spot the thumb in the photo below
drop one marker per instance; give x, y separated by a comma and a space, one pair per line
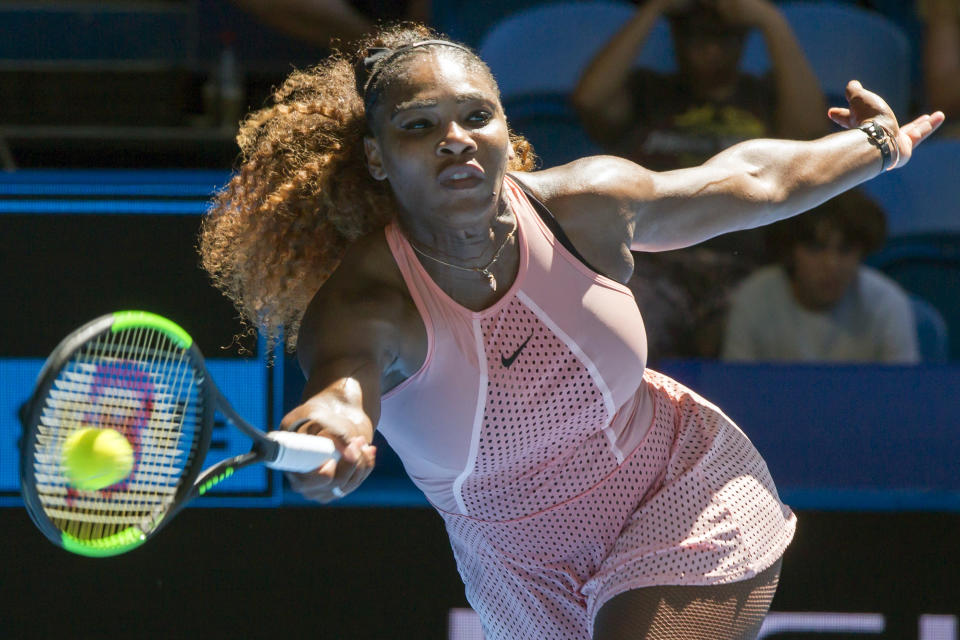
852, 88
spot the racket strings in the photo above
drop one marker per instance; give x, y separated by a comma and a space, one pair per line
144, 386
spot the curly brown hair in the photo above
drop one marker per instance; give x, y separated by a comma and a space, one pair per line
302, 194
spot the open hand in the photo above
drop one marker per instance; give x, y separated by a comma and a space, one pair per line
865, 105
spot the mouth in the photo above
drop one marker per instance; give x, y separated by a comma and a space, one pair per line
462, 176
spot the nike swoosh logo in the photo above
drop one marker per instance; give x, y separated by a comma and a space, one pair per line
506, 362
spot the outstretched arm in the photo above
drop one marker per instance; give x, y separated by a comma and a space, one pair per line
759, 182
606, 203
356, 333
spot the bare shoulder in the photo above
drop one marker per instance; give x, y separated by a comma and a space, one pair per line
362, 312
596, 200
597, 180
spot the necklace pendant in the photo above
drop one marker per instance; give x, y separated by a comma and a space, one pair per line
491, 280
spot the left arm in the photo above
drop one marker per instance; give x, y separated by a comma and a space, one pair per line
751, 184
759, 182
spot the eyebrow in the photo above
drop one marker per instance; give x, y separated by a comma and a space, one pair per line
474, 96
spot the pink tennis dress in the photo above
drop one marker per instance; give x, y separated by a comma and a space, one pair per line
565, 471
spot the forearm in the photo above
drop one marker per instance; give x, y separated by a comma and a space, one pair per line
607, 73
800, 105
752, 184
797, 175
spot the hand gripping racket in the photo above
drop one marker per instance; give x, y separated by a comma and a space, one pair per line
141, 375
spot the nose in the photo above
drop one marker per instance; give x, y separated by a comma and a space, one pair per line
831, 259
456, 141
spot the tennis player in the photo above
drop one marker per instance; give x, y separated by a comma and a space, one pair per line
388, 223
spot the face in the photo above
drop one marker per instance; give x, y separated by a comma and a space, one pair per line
441, 140
709, 60
824, 269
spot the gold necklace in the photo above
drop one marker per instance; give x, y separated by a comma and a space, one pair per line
485, 269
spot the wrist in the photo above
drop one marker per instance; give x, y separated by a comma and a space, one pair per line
885, 141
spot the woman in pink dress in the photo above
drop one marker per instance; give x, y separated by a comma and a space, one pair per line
388, 224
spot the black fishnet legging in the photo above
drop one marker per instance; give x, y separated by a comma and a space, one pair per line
732, 611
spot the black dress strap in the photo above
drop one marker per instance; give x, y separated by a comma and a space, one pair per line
551, 221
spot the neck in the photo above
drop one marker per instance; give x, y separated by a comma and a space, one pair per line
465, 241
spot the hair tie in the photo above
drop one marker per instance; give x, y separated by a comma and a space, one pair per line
374, 54
377, 57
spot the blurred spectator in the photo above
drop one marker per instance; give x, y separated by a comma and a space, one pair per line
820, 303
671, 121
318, 22
942, 57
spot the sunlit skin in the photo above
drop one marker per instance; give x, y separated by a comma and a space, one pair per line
441, 140
824, 270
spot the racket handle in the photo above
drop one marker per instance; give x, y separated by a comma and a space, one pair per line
301, 452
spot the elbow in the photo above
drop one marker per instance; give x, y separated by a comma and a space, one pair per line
754, 178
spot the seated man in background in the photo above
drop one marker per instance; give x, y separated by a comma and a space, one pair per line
679, 120
820, 303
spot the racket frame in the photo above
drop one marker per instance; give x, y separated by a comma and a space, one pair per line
194, 480
280, 450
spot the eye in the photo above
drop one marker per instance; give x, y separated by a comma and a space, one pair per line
479, 117
416, 125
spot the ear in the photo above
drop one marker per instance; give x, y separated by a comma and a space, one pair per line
374, 158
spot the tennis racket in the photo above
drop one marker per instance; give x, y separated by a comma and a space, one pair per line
141, 375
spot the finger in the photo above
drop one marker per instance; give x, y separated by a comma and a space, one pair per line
351, 464
313, 487
363, 468
920, 129
321, 477
840, 115
852, 88
306, 482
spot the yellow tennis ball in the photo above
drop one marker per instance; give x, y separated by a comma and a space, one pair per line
96, 458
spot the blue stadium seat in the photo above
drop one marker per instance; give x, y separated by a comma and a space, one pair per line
552, 126
537, 56
928, 267
843, 43
546, 48
924, 196
468, 21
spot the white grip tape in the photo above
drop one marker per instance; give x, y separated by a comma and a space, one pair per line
301, 452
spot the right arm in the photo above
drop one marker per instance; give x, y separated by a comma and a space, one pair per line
355, 337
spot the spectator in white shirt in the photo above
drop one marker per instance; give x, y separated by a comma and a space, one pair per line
820, 303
